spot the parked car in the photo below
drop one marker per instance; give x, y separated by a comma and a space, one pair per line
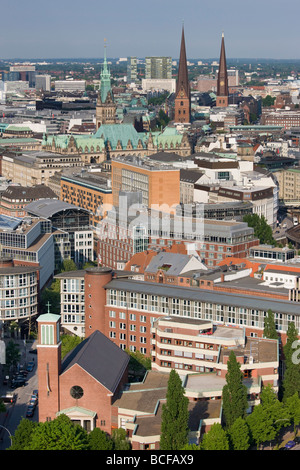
290, 444
33, 400
29, 412
35, 392
18, 383
30, 366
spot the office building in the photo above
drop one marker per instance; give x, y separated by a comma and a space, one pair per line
132, 76
159, 183
158, 67
90, 190
70, 219
19, 294
70, 86
43, 82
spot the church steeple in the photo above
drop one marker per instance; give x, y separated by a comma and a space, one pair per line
222, 84
105, 77
182, 98
105, 108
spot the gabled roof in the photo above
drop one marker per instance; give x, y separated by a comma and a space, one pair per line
172, 263
119, 132
100, 358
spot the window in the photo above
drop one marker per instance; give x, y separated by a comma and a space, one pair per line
76, 392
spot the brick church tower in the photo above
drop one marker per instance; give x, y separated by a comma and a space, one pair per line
49, 365
222, 84
183, 94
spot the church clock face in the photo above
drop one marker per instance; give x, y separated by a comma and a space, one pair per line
222, 83
76, 392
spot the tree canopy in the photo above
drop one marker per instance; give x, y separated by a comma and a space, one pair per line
262, 229
175, 415
234, 393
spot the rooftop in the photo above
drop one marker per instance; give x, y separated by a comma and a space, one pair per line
49, 207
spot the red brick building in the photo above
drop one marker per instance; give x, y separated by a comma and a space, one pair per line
85, 384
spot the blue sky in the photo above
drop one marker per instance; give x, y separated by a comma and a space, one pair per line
77, 28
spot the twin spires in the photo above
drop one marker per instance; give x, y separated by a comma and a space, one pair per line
182, 112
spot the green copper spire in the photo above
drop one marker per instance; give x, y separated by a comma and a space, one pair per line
105, 78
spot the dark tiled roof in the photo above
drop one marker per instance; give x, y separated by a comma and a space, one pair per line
100, 358
34, 192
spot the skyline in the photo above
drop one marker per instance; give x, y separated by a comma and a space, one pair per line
66, 30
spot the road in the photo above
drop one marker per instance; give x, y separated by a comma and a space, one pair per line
17, 410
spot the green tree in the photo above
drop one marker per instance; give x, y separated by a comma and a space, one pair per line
275, 408
59, 434
269, 326
175, 415
68, 343
234, 393
239, 436
120, 440
22, 437
262, 230
268, 101
13, 354
68, 265
50, 298
99, 440
261, 425
293, 409
215, 439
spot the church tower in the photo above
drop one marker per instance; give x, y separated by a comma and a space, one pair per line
105, 107
49, 365
183, 94
222, 84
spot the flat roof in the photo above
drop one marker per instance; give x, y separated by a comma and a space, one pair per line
203, 295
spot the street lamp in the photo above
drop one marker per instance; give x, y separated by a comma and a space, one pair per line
7, 431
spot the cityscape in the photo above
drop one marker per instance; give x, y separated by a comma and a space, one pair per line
149, 236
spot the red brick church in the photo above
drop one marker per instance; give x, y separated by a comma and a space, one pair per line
86, 383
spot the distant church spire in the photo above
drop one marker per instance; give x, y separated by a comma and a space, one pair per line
182, 98
222, 84
105, 108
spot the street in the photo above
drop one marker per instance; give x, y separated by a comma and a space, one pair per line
10, 420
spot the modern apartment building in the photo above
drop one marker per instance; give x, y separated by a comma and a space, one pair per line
19, 292
29, 242
158, 67
289, 184
90, 190
198, 346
